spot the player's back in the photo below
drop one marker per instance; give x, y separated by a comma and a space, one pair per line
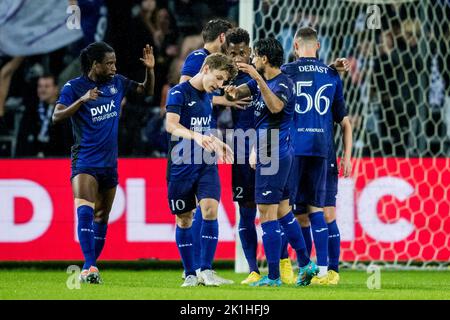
318, 90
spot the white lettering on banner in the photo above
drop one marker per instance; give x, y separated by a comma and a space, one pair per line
116, 213
345, 209
367, 209
138, 230
42, 210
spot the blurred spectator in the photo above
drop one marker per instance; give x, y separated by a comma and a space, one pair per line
37, 135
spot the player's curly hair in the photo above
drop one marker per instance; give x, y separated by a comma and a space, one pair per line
215, 28
237, 35
221, 62
93, 52
272, 49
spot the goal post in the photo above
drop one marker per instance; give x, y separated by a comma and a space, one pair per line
394, 209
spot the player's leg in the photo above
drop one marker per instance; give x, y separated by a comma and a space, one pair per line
270, 191
243, 183
272, 244
181, 202
249, 239
107, 186
309, 270
84, 188
334, 245
288, 230
334, 239
196, 228
209, 232
103, 205
208, 194
183, 238
315, 178
294, 235
305, 225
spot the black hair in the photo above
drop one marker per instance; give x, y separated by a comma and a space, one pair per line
214, 28
237, 35
49, 76
93, 52
272, 49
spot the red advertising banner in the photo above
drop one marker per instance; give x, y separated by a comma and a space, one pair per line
392, 209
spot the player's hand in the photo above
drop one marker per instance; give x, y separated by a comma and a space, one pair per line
346, 167
91, 95
248, 68
223, 151
342, 65
239, 104
231, 92
205, 142
148, 58
252, 159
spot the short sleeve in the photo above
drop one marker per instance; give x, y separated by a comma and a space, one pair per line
193, 63
175, 101
67, 95
127, 84
283, 90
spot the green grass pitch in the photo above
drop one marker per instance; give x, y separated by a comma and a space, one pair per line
162, 285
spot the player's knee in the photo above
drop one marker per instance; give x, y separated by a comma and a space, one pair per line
329, 214
303, 220
184, 220
209, 212
101, 216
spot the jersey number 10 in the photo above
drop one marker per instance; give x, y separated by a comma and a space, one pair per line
309, 99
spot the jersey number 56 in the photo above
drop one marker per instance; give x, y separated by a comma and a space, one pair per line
309, 99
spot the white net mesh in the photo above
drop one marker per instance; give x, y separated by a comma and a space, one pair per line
395, 208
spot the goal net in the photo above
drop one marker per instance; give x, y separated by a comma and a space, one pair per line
395, 208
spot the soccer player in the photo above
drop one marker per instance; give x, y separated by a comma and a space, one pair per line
92, 102
214, 37
189, 175
243, 176
329, 210
319, 100
273, 110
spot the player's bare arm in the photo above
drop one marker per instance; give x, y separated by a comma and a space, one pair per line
63, 112
252, 158
273, 103
224, 101
148, 60
347, 139
234, 93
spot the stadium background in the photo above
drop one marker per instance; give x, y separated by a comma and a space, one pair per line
395, 208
